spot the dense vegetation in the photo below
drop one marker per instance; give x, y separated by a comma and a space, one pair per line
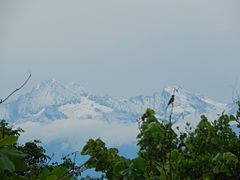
27, 161
209, 151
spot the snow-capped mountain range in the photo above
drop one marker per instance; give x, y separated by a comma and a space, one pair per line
51, 100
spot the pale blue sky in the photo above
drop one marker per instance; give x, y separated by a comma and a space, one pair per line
122, 48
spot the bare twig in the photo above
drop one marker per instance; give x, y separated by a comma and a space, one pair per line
74, 159
171, 102
50, 159
25, 82
76, 168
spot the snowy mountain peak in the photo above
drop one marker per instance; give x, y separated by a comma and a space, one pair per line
187, 103
52, 100
46, 95
78, 89
51, 83
170, 89
52, 92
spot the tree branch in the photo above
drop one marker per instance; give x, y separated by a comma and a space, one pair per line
25, 82
171, 102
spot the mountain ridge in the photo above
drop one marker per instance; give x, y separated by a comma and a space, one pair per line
51, 100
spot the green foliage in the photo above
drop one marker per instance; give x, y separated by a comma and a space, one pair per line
156, 141
103, 159
27, 161
11, 159
211, 151
56, 173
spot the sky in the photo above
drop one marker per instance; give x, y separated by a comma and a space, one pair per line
122, 48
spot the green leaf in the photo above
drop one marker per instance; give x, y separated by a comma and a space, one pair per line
6, 163
45, 173
150, 112
87, 148
162, 173
232, 118
59, 171
52, 177
11, 152
140, 164
16, 157
231, 157
8, 141
217, 157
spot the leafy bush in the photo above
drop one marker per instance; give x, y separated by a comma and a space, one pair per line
27, 161
211, 151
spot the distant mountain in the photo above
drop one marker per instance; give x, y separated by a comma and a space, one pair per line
42, 102
51, 100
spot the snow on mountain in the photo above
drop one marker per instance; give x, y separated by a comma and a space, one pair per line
68, 115
45, 98
78, 89
50, 100
87, 109
186, 104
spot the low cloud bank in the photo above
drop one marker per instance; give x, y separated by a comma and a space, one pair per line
73, 133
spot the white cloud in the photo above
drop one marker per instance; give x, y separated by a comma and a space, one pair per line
75, 133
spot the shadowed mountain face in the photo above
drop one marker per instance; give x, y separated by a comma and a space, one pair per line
50, 100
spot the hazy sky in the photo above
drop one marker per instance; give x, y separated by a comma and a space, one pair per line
124, 47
